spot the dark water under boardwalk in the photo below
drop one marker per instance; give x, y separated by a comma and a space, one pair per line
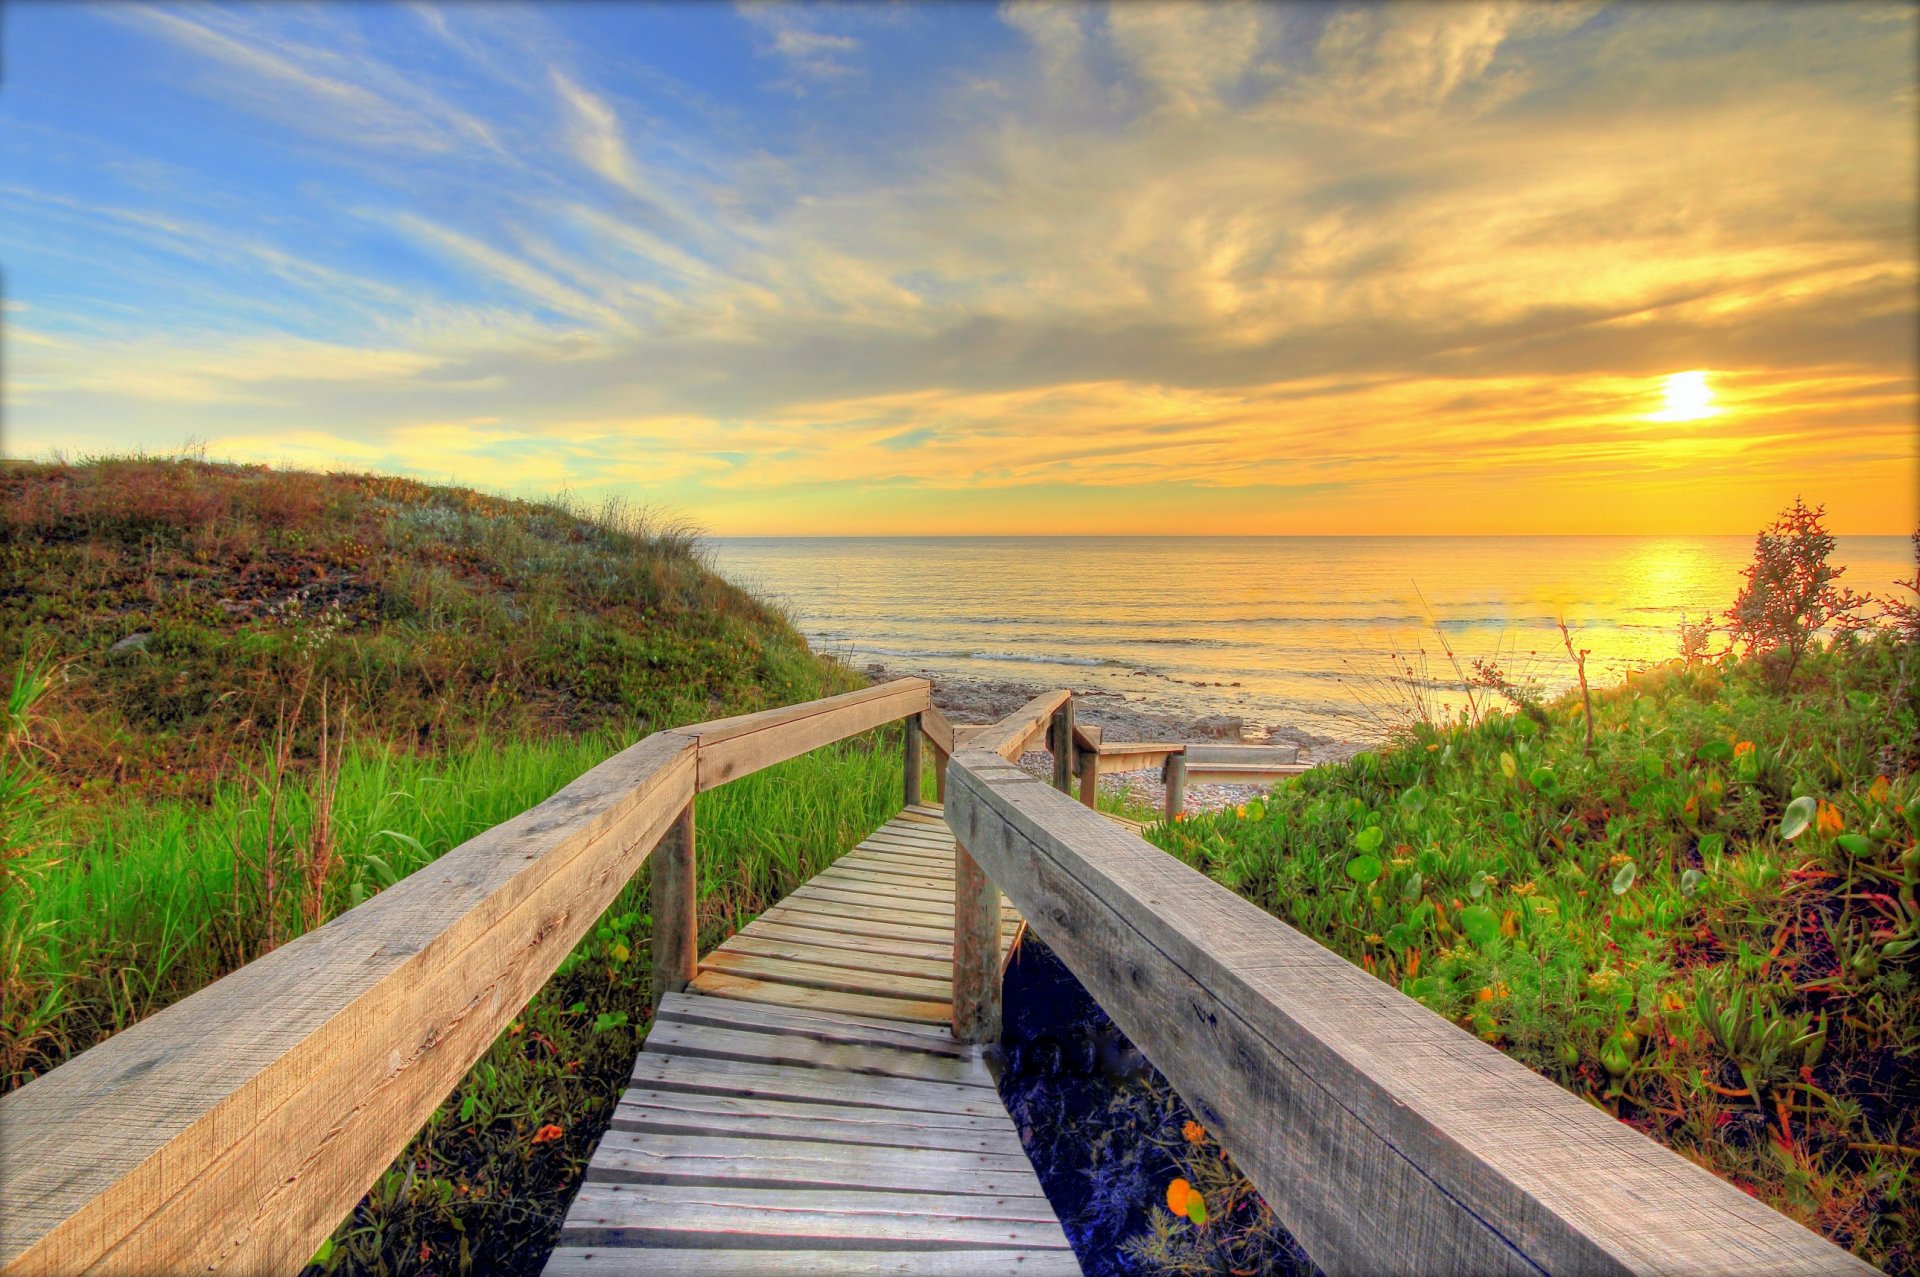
1107, 1134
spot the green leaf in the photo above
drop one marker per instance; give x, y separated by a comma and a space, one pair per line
1799, 815
1413, 800
607, 1020
1411, 890
382, 870
1541, 778
1370, 838
1623, 881
322, 1255
1691, 881
1197, 1209
405, 840
1481, 924
467, 1107
1364, 868
1854, 844
1714, 751
1509, 766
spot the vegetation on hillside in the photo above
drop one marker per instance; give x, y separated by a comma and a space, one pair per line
1693, 905
323, 682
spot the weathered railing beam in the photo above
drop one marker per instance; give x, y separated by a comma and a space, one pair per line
675, 901
1385, 1137
976, 951
1061, 736
911, 761
733, 747
1173, 777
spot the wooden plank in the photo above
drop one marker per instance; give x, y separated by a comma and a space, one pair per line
814, 976
1136, 755
823, 953
919, 926
938, 950
732, 1218
1244, 775
1242, 755
937, 728
910, 762
709, 1160
976, 952
643, 1109
237, 1127
1090, 780
708, 1043
655, 1071
1010, 736
880, 873
908, 905
856, 929
1386, 1138
1060, 740
720, 985
733, 747
1086, 739
676, 908
580, 1261
837, 1027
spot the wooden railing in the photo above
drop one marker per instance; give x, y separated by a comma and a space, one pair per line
235, 1129
1386, 1139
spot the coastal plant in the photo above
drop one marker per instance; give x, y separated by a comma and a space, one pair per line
1706, 924
1791, 592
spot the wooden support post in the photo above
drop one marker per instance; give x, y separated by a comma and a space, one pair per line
913, 760
940, 757
1062, 736
1090, 779
976, 951
676, 909
1173, 774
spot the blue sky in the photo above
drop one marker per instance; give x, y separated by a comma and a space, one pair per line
954, 268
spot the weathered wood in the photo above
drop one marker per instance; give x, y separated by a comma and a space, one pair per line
1386, 1138
1136, 755
1086, 740
1237, 755
1244, 774
234, 1129
825, 953
809, 975
1060, 735
836, 1027
940, 760
936, 949
642, 1110
704, 1041
1173, 776
721, 985
732, 1218
581, 1261
733, 747
937, 728
976, 951
1011, 736
911, 767
1090, 779
675, 893
712, 1159
656, 1071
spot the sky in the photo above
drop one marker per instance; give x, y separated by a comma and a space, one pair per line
947, 269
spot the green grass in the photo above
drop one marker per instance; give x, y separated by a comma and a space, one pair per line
1706, 926
124, 909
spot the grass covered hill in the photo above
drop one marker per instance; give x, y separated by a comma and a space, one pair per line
186, 612
241, 701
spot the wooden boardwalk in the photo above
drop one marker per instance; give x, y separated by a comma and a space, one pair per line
804, 1108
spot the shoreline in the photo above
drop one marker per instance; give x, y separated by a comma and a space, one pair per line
987, 700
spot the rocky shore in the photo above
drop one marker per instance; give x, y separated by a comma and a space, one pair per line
984, 701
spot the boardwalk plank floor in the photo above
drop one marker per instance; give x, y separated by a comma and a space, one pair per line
803, 1107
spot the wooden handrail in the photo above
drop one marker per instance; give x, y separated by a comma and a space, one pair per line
1011, 736
1386, 1138
236, 1128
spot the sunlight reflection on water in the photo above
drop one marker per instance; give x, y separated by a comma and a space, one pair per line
1273, 629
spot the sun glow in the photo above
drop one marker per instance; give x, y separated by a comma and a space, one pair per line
1689, 398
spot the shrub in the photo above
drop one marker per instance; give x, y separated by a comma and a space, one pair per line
1791, 593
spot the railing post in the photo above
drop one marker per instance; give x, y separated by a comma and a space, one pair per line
976, 951
1173, 774
676, 909
1062, 735
1090, 779
913, 760
940, 759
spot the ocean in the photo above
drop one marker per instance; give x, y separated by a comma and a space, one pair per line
1322, 634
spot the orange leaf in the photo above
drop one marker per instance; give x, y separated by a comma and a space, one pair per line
547, 1134
1177, 1194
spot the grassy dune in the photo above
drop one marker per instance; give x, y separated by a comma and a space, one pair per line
342, 677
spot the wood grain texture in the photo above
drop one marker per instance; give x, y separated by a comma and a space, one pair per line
733, 747
1060, 739
1011, 736
910, 768
580, 1261
675, 898
1387, 1139
1173, 776
234, 1129
976, 951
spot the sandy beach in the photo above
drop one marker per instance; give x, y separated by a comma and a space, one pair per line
984, 701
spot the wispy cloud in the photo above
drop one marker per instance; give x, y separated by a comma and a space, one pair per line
1361, 257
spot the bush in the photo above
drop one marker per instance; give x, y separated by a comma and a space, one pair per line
1791, 593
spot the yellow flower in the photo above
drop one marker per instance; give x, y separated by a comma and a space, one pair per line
1828, 820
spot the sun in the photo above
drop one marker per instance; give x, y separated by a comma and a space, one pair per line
1689, 398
